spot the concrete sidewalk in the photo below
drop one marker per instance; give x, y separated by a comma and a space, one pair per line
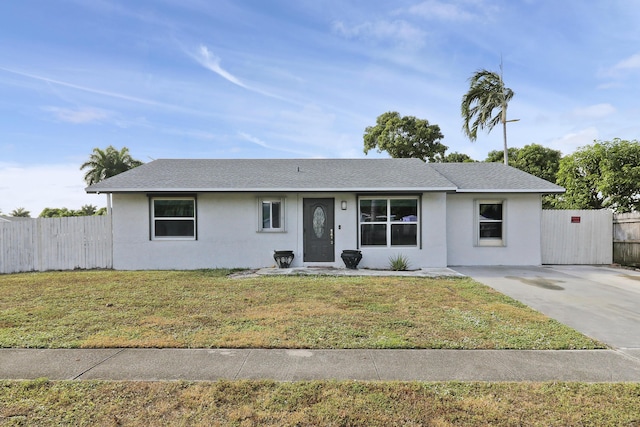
299, 365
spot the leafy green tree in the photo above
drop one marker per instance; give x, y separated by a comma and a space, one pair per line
106, 163
57, 213
405, 137
87, 210
456, 157
20, 213
485, 105
535, 159
497, 156
602, 175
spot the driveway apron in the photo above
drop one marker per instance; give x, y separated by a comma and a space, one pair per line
601, 302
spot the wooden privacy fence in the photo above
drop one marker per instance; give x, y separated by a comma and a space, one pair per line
577, 236
626, 239
56, 244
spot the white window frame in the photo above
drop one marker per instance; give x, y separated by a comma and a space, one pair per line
389, 222
164, 218
490, 241
261, 220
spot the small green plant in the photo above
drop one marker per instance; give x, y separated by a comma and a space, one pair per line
399, 263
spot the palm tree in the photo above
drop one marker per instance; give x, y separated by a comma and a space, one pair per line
106, 163
20, 213
485, 105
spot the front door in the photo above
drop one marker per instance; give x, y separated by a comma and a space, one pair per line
318, 220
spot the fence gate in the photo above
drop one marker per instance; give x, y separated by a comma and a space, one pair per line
577, 236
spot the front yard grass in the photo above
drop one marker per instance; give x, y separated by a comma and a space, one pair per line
325, 403
206, 309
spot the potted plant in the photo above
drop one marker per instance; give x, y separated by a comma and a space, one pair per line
351, 258
283, 258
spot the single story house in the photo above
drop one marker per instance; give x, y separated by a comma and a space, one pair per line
209, 213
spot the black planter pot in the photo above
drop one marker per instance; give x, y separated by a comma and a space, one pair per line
351, 258
283, 258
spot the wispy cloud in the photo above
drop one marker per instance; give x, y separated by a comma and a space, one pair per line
84, 88
399, 31
261, 143
433, 9
616, 72
212, 63
79, 115
593, 112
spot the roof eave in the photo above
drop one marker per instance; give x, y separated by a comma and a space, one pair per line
275, 189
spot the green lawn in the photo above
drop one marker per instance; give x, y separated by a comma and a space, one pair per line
206, 309
317, 403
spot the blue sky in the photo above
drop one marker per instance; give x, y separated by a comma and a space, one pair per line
294, 79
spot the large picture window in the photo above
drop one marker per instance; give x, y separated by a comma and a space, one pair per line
490, 223
173, 218
389, 221
271, 214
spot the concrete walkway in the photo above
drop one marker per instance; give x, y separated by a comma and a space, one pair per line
295, 365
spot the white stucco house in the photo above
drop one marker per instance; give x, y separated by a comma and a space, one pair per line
191, 214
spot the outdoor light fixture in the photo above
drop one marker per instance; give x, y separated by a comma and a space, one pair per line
343, 205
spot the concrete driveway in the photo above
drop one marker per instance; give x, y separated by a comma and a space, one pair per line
600, 302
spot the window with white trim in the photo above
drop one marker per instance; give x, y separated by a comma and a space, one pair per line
271, 214
390, 221
173, 218
490, 223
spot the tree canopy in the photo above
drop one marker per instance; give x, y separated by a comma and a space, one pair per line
106, 163
20, 213
485, 105
405, 137
456, 157
535, 159
85, 210
605, 174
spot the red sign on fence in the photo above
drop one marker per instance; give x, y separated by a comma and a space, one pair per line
575, 220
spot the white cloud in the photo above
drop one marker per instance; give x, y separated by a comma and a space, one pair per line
433, 9
630, 63
78, 116
593, 112
569, 142
36, 187
401, 32
212, 63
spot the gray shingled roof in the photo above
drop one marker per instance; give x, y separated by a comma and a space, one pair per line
182, 175
493, 177
227, 175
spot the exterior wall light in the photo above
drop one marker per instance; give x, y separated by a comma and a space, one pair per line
343, 205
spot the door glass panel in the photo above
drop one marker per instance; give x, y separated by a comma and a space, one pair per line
319, 221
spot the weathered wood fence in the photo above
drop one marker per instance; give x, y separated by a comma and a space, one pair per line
56, 244
577, 236
626, 239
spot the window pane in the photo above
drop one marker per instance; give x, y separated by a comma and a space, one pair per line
173, 208
491, 211
275, 214
266, 215
373, 234
491, 229
174, 228
405, 210
404, 235
373, 210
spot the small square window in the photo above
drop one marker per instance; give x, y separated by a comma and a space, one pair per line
271, 215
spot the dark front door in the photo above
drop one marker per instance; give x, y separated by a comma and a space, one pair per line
318, 230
